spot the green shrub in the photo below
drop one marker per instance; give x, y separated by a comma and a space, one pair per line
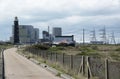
86, 49
94, 47
118, 49
63, 44
56, 48
58, 74
89, 54
115, 56
41, 47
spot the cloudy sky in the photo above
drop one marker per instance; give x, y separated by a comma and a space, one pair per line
71, 15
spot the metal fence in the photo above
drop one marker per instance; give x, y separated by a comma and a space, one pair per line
90, 67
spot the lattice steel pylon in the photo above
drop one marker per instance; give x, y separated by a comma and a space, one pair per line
112, 38
103, 36
93, 35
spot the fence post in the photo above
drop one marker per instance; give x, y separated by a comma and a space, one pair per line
55, 57
89, 74
71, 61
51, 56
45, 54
37, 54
42, 54
106, 69
83, 65
63, 55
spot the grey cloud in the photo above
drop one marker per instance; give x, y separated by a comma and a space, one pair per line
61, 14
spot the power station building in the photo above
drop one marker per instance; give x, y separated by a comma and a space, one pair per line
56, 37
27, 34
57, 31
16, 31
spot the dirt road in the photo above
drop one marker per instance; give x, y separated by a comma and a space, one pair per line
18, 67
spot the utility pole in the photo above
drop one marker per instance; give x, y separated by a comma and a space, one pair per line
83, 36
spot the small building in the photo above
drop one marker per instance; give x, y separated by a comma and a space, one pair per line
96, 42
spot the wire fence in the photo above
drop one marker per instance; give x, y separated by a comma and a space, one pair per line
88, 66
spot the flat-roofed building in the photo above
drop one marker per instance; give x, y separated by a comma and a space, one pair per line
27, 34
57, 31
69, 40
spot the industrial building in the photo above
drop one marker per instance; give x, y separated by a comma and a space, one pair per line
56, 37
68, 40
27, 34
16, 31
57, 31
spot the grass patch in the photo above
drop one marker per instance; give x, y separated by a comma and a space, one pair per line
118, 49
56, 48
58, 74
115, 56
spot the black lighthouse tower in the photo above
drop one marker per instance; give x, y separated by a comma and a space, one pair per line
16, 31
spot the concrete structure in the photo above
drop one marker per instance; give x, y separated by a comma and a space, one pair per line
96, 42
27, 33
47, 38
36, 30
56, 37
16, 31
46, 35
57, 31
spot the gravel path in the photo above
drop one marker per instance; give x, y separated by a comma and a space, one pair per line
18, 67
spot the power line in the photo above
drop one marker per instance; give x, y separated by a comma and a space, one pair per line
83, 36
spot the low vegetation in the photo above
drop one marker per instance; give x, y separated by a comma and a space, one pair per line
112, 52
6, 46
109, 51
